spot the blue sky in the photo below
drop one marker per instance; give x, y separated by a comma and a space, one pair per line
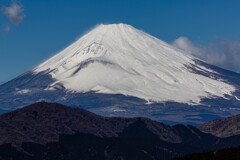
46, 27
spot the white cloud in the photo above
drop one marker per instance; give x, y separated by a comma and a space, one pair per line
224, 53
14, 12
185, 44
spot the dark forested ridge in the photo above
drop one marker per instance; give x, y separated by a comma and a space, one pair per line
53, 131
222, 127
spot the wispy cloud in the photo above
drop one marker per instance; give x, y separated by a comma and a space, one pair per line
224, 53
14, 12
6, 28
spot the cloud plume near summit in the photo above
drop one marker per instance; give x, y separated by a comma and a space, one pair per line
224, 53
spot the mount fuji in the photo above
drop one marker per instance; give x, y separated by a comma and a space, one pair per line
118, 70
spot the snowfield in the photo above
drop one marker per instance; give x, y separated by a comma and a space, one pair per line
119, 59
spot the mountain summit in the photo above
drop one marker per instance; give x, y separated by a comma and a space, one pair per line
119, 59
118, 70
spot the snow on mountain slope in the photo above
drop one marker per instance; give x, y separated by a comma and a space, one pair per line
120, 59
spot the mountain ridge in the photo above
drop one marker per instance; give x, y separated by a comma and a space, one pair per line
43, 122
54, 131
222, 127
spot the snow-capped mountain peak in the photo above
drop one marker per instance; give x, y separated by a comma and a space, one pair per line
119, 59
